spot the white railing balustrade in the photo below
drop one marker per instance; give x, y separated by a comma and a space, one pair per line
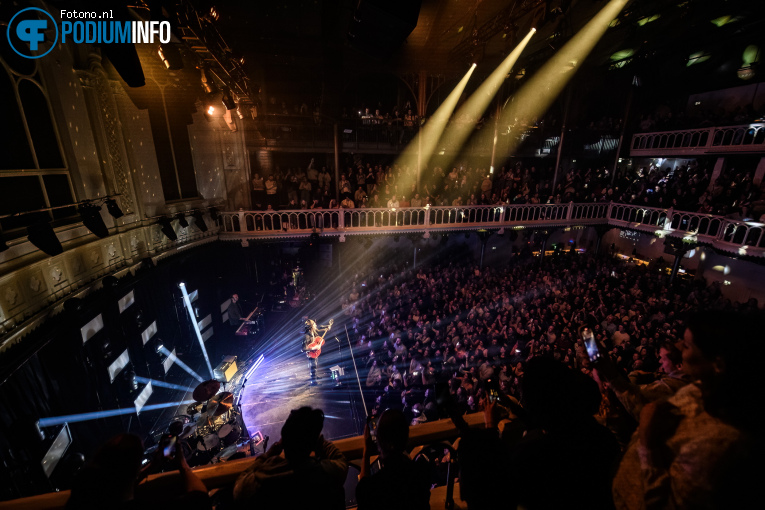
743, 138
744, 238
268, 223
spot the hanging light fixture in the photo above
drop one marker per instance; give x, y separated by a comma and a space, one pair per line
90, 214
113, 208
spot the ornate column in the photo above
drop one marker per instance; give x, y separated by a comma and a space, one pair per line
108, 132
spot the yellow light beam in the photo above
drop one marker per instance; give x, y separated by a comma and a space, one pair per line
425, 141
536, 96
458, 132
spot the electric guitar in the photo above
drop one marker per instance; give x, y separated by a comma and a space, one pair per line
313, 350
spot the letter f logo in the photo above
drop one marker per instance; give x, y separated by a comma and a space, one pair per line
29, 30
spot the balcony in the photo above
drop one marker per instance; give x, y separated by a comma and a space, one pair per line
731, 236
224, 474
746, 138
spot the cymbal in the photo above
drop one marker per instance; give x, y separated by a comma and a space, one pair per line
220, 403
206, 390
188, 431
203, 420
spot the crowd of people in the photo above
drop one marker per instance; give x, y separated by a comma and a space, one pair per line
686, 187
652, 409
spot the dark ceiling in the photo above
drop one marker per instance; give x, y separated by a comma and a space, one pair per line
292, 37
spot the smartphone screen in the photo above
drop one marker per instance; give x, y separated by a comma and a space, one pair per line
169, 450
589, 343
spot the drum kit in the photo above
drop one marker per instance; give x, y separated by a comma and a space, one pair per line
211, 425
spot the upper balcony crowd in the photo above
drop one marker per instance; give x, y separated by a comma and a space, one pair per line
687, 187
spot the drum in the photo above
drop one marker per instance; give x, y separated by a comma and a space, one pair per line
194, 408
226, 452
209, 442
229, 433
188, 430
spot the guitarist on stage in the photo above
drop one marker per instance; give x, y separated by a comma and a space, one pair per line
310, 347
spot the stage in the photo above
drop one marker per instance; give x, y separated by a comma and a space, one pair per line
281, 384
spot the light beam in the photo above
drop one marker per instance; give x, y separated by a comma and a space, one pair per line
458, 132
536, 96
162, 384
193, 318
421, 148
74, 418
180, 363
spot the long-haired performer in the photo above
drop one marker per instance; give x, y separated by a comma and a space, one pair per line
312, 343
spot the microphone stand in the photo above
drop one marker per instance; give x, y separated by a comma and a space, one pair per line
350, 348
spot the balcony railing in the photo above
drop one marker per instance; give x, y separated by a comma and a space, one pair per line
712, 140
288, 223
224, 474
742, 238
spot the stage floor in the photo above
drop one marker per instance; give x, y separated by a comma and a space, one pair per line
281, 384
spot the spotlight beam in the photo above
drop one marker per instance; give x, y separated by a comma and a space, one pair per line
536, 96
162, 384
421, 148
181, 364
193, 318
458, 132
74, 418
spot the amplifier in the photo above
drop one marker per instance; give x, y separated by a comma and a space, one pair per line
226, 370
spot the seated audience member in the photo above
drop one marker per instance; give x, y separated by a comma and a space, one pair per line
671, 378
311, 473
110, 480
702, 448
566, 459
401, 483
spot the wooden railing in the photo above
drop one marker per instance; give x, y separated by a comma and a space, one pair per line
224, 474
743, 138
729, 235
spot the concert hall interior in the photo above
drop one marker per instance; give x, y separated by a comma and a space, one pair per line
531, 233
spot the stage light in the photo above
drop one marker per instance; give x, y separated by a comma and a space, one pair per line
44, 238
208, 83
170, 55
420, 150
210, 110
458, 132
239, 111
199, 220
536, 96
228, 102
113, 208
181, 217
167, 228
90, 214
